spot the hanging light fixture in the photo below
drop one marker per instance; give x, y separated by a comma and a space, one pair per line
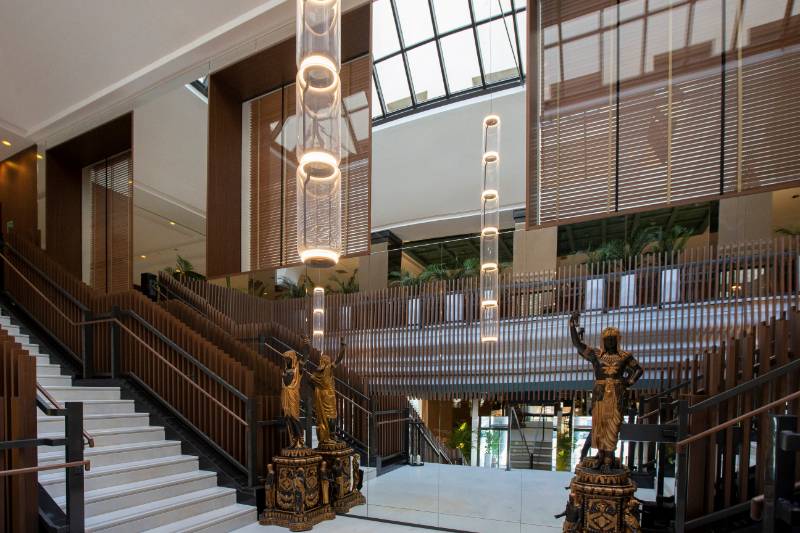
490, 229
319, 117
318, 319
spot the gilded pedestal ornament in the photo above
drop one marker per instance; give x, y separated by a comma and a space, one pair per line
296, 481
343, 463
601, 493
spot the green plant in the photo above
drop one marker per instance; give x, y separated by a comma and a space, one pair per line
183, 270
256, 287
348, 286
461, 438
492, 442
433, 272
471, 267
791, 232
403, 278
672, 240
291, 289
635, 244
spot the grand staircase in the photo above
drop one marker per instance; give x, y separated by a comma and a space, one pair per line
138, 480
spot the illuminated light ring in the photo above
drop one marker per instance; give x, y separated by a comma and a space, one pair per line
323, 159
491, 121
489, 303
489, 230
488, 267
320, 257
318, 61
489, 194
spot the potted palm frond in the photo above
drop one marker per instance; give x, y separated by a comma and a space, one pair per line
183, 270
346, 286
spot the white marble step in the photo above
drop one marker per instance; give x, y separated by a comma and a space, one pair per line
222, 520
54, 381
47, 369
111, 436
120, 453
78, 394
95, 407
54, 424
108, 500
120, 474
162, 512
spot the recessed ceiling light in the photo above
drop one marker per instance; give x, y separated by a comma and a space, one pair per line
6, 142
39, 156
171, 222
143, 256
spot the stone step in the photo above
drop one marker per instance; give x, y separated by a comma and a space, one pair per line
223, 520
77, 394
54, 380
120, 453
47, 369
119, 474
111, 436
108, 500
95, 407
55, 424
163, 512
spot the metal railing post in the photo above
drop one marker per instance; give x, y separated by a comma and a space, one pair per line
252, 442
115, 344
88, 346
681, 467
73, 451
2, 266
407, 433
778, 479
373, 433
307, 398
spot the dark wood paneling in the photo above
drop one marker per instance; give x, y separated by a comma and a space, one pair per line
18, 193
64, 172
253, 76
224, 204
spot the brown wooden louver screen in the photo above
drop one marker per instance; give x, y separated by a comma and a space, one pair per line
273, 189
649, 104
111, 182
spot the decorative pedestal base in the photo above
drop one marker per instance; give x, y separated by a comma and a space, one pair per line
601, 502
297, 495
344, 470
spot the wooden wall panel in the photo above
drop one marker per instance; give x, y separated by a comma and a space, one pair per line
18, 193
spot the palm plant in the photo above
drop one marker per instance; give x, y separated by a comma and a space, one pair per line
348, 286
791, 232
183, 270
471, 267
635, 244
672, 240
403, 278
257, 288
291, 289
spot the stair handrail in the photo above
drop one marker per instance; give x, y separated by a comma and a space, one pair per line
429, 437
522, 434
49, 397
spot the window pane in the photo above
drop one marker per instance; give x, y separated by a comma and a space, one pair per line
376, 104
451, 14
522, 25
384, 31
488, 8
426, 75
499, 61
394, 84
415, 21
461, 61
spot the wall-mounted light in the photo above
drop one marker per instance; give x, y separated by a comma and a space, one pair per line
172, 222
143, 256
319, 146
39, 156
490, 230
6, 142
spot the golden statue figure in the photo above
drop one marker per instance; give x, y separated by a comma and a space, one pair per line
615, 371
325, 395
290, 393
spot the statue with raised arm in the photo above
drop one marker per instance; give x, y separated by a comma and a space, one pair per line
290, 393
615, 371
325, 395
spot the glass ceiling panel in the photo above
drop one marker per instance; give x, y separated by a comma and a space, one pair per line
384, 34
439, 48
461, 61
496, 40
451, 14
394, 84
426, 72
415, 21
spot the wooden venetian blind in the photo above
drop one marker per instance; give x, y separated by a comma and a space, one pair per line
273, 187
111, 182
682, 102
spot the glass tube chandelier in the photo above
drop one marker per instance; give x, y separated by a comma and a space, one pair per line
318, 321
319, 118
490, 229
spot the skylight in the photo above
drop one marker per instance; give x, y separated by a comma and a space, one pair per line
428, 52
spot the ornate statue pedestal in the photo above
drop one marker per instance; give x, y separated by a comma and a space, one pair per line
601, 502
297, 496
344, 471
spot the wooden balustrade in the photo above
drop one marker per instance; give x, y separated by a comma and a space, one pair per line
18, 493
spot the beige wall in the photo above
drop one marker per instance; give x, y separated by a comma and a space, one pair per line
535, 250
745, 218
373, 269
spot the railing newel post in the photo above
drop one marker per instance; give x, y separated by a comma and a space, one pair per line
73, 452
88, 345
681, 467
252, 442
115, 343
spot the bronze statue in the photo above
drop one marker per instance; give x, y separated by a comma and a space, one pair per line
615, 371
325, 483
290, 393
325, 395
271, 489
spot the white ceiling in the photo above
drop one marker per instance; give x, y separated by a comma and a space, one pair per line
63, 62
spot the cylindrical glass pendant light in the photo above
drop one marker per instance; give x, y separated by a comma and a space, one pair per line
318, 319
319, 119
490, 230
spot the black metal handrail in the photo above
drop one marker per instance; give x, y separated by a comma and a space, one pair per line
522, 434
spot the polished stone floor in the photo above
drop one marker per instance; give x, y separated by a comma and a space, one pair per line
459, 498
